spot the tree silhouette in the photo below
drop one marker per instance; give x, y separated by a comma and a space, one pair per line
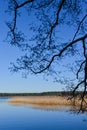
56, 42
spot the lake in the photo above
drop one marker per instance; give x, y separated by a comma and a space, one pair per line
25, 117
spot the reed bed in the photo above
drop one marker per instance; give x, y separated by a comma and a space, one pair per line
48, 102
41, 100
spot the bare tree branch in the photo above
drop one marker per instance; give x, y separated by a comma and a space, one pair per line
56, 20
60, 53
44, 5
80, 68
79, 26
24, 3
75, 88
84, 48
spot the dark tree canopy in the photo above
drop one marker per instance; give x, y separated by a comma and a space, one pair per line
55, 41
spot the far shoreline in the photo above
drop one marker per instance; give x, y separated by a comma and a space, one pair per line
49, 93
45, 99
46, 102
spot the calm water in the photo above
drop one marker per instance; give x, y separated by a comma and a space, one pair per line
14, 117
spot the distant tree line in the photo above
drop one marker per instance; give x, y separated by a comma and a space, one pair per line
58, 93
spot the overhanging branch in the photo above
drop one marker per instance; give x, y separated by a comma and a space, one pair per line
60, 53
56, 20
24, 3
79, 26
80, 68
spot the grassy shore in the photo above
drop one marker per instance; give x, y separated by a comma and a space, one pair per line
44, 100
41, 102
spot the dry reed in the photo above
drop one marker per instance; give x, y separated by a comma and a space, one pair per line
44, 100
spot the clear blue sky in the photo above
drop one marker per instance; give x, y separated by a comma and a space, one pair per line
14, 82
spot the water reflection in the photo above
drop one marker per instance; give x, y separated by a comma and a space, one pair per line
3, 99
70, 108
43, 106
26, 117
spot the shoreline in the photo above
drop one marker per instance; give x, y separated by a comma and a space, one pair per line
40, 100
47, 102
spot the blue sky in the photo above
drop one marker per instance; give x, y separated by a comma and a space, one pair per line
10, 82
15, 82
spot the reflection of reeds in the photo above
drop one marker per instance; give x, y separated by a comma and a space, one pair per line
51, 107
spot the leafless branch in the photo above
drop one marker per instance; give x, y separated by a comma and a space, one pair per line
24, 3
56, 20
84, 48
80, 68
60, 53
12, 25
75, 88
79, 26
44, 5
